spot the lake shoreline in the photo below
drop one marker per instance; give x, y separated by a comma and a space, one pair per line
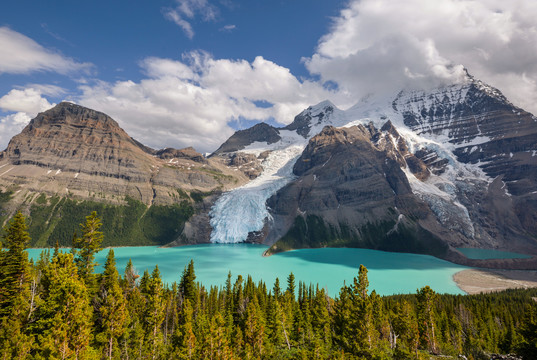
475, 281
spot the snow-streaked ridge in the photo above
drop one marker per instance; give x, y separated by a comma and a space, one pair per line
243, 210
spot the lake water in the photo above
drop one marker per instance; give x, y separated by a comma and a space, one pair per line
473, 253
389, 273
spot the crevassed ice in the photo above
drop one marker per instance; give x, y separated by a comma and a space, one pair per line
242, 210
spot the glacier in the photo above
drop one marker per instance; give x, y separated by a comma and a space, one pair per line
242, 210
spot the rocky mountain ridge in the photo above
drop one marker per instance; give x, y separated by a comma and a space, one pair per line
417, 171
466, 153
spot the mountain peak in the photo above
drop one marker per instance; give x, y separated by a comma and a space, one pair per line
73, 114
321, 107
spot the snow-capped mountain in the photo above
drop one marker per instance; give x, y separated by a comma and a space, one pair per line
421, 171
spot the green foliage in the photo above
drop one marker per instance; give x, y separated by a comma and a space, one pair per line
56, 219
198, 196
87, 245
187, 286
528, 346
162, 224
55, 312
14, 272
64, 324
5, 196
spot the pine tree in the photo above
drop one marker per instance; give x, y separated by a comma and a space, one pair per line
184, 339
405, 336
17, 296
275, 326
276, 290
111, 309
88, 245
14, 265
187, 286
362, 322
254, 329
154, 315
64, 320
528, 346
426, 297
291, 285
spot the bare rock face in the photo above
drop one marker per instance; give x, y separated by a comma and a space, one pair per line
81, 140
71, 150
260, 132
186, 153
487, 131
351, 191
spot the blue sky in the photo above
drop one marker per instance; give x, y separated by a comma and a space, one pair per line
188, 72
115, 36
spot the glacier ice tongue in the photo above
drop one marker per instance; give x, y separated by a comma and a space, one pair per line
243, 210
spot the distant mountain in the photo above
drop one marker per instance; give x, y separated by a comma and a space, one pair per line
417, 171
74, 154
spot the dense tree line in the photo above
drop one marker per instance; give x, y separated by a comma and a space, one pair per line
59, 308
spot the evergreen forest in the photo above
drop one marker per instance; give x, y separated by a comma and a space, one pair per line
58, 307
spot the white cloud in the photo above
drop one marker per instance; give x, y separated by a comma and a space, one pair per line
191, 102
228, 28
189, 9
10, 126
382, 45
26, 103
174, 16
21, 55
29, 100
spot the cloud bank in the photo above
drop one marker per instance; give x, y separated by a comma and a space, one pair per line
191, 102
382, 45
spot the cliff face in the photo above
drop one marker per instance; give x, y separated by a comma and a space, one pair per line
76, 139
351, 191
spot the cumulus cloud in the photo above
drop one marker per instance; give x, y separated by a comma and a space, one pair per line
191, 102
29, 101
187, 10
21, 55
10, 126
382, 45
26, 103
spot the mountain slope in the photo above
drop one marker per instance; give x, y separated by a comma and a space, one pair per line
466, 153
75, 158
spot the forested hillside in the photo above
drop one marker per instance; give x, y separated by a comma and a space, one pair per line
59, 308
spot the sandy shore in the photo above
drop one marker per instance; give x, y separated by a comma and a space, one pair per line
475, 281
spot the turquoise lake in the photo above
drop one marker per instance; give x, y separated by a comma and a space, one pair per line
389, 273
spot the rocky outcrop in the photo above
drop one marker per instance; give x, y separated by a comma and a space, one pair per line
260, 132
351, 191
309, 118
73, 138
187, 153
